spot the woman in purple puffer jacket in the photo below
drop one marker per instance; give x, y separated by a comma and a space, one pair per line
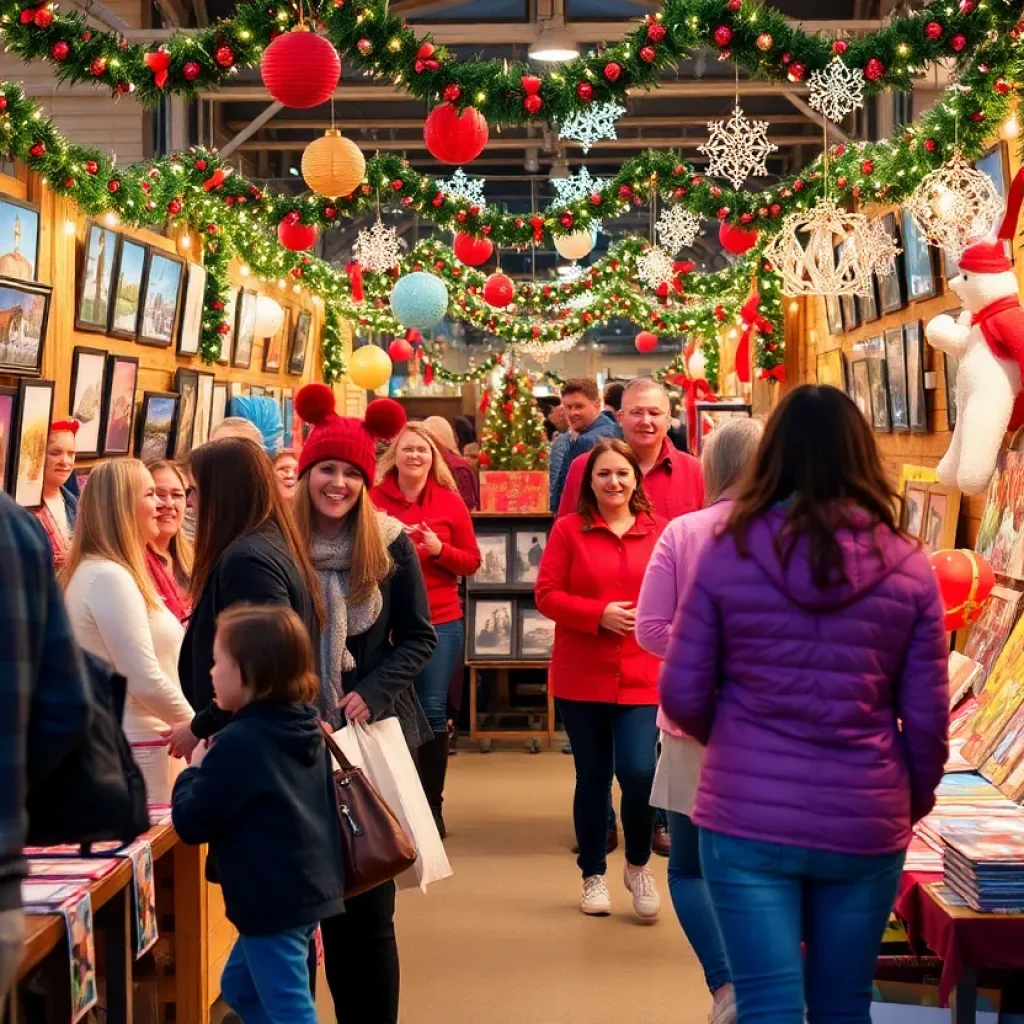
809, 657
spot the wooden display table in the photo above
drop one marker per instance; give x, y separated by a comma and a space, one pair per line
484, 737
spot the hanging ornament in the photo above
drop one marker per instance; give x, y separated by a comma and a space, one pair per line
400, 351
378, 248
355, 280
646, 341
300, 69
677, 228
294, 235
472, 251
369, 367
737, 148
837, 90
577, 186
461, 186
158, 62
575, 246
455, 138
419, 300
955, 205
592, 125
269, 316
878, 248
333, 165
191, 70
764, 42
736, 240
499, 291
654, 266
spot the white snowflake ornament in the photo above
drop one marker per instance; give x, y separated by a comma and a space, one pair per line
378, 249
837, 90
654, 266
737, 148
461, 186
577, 186
592, 125
678, 228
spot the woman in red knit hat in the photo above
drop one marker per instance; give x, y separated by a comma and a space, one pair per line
375, 640
59, 508
417, 487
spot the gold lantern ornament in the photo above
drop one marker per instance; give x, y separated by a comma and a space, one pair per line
574, 246
333, 166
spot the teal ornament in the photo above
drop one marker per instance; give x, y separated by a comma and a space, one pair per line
419, 300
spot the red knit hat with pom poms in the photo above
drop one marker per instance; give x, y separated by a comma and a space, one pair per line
345, 437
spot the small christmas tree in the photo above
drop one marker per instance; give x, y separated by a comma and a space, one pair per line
513, 435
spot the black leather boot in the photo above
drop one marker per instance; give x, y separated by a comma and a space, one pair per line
432, 761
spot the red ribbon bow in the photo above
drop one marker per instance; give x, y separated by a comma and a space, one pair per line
425, 59
750, 319
537, 223
355, 280
775, 373
531, 84
158, 62
697, 389
216, 179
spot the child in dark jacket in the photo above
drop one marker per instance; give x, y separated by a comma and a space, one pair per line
261, 794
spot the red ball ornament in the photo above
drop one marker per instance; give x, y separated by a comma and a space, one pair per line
874, 69
86, 36
38, 149
736, 240
584, 92
43, 17
722, 35
532, 104
978, 116
723, 212
965, 582
191, 71
867, 167
400, 351
330, 212
98, 67
967, 6
796, 71
201, 165
842, 181
438, 200
113, 185
69, 182
499, 291
60, 51
775, 210
452, 93
92, 167
647, 54
365, 47
472, 251
1001, 86
840, 46
646, 341
933, 31
655, 31
455, 138
174, 207
26, 16
612, 71
300, 69
929, 145
958, 42
566, 220
225, 56
734, 5
295, 236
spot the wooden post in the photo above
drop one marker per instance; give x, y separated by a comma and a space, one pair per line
191, 977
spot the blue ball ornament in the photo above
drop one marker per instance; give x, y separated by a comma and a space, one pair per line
419, 300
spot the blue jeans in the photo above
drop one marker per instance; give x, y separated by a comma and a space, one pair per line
266, 978
770, 897
611, 740
692, 901
432, 682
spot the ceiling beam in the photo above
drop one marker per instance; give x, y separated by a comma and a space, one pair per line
251, 128
834, 131
403, 8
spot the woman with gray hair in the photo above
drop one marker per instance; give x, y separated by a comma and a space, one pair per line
728, 452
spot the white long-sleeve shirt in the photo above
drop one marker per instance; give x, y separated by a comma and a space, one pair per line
110, 619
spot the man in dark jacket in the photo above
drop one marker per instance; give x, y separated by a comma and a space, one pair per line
43, 703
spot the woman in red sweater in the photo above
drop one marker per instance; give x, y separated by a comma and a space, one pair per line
417, 488
605, 682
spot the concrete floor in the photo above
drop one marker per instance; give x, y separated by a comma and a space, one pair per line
503, 941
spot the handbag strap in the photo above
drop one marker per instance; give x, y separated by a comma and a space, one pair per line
344, 763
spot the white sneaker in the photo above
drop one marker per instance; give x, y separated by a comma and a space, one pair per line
640, 883
597, 900
724, 1011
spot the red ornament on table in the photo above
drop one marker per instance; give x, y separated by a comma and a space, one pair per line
646, 341
874, 70
722, 35
933, 31
584, 92
472, 251
60, 51
191, 71
965, 582
958, 42
736, 240
455, 138
294, 235
499, 291
612, 71
224, 56
300, 69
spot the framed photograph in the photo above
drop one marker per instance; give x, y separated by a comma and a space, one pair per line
860, 387
995, 163
288, 415
890, 285
245, 329
24, 316
230, 316
851, 316
235, 389
831, 368
28, 441
192, 310
186, 383
119, 405
536, 634
491, 629
833, 314
204, 409
273, 347
529, 549
878, 381
300, 342
913, 343
19, 239
8, 415
940, 518
868, 304
156, 425
275, 394
952, 369
896, 365
220, 404
161, 296
96, 278
915, 501
88, 375
495, 561
918, 263
257, 390
128, 281
718, 412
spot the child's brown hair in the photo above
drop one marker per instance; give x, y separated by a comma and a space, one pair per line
272, 648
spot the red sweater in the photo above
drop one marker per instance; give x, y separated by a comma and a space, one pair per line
581, 572
446, 514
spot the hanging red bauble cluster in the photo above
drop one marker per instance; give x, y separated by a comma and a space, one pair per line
300, 69
499, 291
455, 138
532, 101
646, 341
472, 251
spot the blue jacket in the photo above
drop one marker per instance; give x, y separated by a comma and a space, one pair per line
263, 798
604, 426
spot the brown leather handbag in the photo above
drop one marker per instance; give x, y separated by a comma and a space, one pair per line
375, 847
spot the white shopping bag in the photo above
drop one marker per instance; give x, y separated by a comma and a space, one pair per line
380, 750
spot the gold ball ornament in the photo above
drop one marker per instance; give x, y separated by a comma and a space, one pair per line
764, 42
333, 165
369, 367
574, 246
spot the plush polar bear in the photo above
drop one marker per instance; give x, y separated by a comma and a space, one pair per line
988, 339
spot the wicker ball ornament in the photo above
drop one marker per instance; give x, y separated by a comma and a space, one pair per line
419, 300
333, 165
300, 69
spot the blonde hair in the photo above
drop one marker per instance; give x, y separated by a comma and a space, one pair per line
107, 525
728, 453
371, 560
182, 552
438, 467
442, 430
237, 426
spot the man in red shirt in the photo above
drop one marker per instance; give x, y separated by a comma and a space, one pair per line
672, 479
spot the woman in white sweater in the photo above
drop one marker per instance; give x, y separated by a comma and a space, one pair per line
115, 610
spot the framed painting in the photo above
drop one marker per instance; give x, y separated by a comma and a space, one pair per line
941, 513
273, 347
227, 339
257, 391
716, 413
119, 405
535, 634
878, 382
491, 629
528, 548
220, 404
245, 329
868, 304
913, 342
996, 164
860, 387
191, 328
129, 278
96, 278
19, 239
88, 376
833, 314
896, 369
156, 425
28, 441
204, 409
161, 297
891, 295
915, 501
851, 315
918, 263
8, 417
288, 415
186, 383
495, 561
831, 368
24, 318
300, 342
